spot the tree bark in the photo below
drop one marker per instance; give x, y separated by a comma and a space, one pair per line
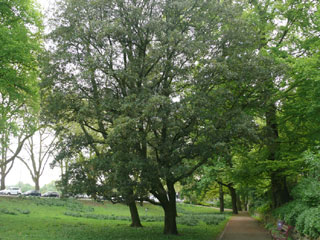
37, 184
170, 210
233, 199
245, 202
221, 198
170, 224
3, 182
279, 190
135, 219
280, 193
239, 204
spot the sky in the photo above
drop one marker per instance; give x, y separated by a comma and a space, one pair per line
19, 172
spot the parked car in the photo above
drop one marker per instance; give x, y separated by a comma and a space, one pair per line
50, 194
14, 191
4, 192
82, 196
32, 193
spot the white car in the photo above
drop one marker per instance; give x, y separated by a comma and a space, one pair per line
14, 191
4, 192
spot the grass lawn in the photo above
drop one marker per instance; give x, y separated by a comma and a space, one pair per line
46, 219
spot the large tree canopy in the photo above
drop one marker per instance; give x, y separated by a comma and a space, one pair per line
156, 87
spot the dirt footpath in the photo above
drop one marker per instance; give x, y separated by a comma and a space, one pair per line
244, 227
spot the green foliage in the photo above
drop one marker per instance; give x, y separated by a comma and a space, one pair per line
14, 211
24, 186
49, 187
308, 222
290, 212
308, 192
19, 44
304, 211
6, 211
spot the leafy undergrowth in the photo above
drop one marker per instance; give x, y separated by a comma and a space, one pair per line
38, 219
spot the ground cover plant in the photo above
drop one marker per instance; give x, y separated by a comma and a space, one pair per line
38, 219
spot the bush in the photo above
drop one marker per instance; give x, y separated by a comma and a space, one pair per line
308, 191
15, 212
71, 204
304, 211
189, 221
308, 222
6, 211
290, 212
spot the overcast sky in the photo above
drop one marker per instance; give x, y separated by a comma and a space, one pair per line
19, 172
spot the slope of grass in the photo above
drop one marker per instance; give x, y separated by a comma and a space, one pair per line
46, 219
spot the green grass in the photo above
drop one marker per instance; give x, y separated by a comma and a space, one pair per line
46, 219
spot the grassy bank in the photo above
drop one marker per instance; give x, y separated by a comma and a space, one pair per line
46, 219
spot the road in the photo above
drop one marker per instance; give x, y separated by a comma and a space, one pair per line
244, 227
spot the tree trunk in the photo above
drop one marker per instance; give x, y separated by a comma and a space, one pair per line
280, 193
170, 211
221, 198
239, 202
233, 199
37, 184
279, 190
135, 219
245, 202
3, 182
170, 224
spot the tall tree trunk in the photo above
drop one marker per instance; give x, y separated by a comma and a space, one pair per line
170, 211
233, 199
3, 182
221, 198
135, 219
280, 193
239, 204
279, 190
245, 202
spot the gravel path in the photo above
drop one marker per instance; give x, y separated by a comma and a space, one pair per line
244, 227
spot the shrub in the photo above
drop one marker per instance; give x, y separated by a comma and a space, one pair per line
308, 222
308, 191
290, 212
189, 221
6, 211
22, 211
304, 211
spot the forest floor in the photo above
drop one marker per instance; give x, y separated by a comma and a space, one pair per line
244, 227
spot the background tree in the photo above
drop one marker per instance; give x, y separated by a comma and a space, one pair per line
39, 149
16, 130
20, 33
282, 26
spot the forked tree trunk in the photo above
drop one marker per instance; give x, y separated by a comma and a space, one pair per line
135, 219
221, 198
